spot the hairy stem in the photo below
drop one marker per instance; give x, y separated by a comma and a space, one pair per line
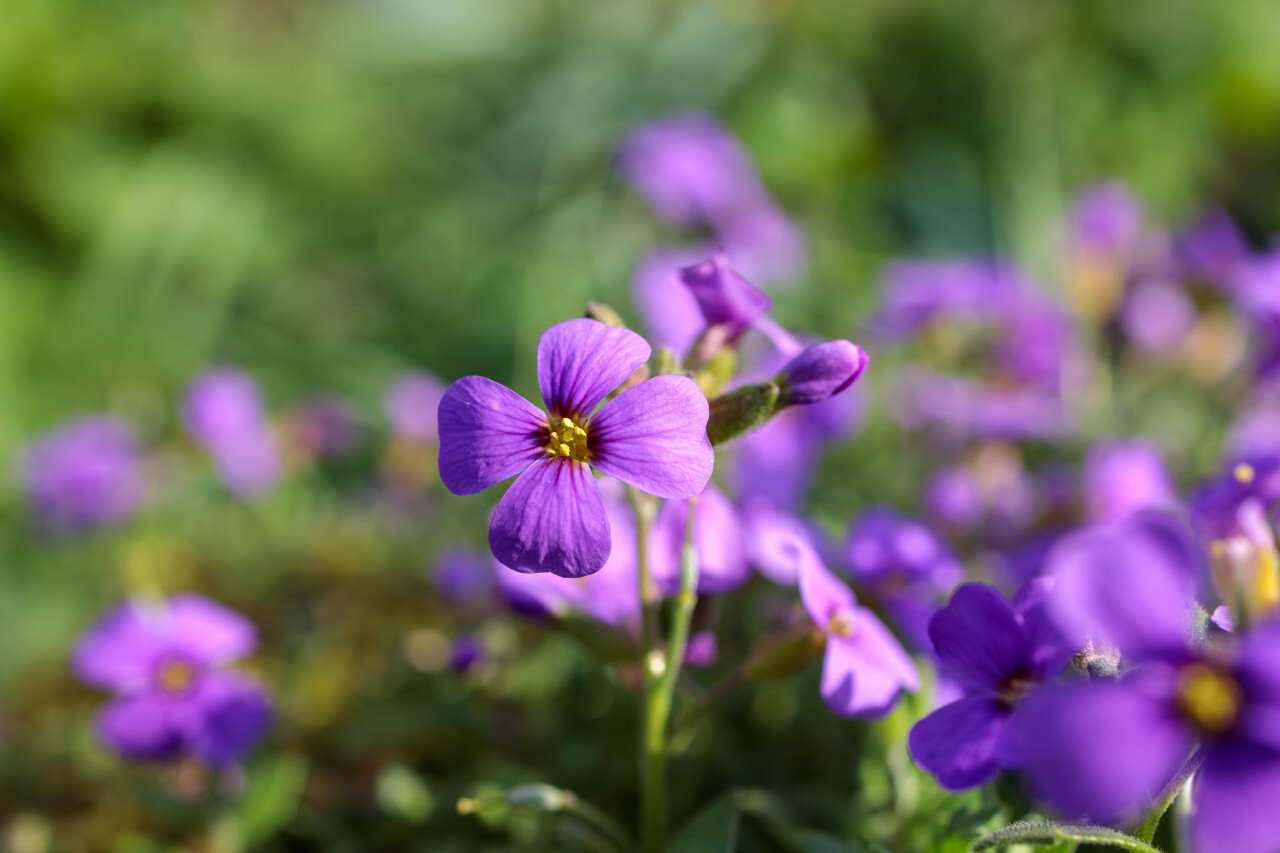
1147, 829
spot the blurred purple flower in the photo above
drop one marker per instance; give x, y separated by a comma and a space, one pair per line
85, 474
969, 408
690, 169
167, 665
325, 426
918, 293
1107, 220
1104, 749
1122, 478
552, 519
702, 650
1036, 343
462, 574
1256, 432
1158, 315
763, 243
1212, 247
718, 537
999, 653
223, 413
465, 653
410, 405
954, 497
865, 667
774, 539
1256, 286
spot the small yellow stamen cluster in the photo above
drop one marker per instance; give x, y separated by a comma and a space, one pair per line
567, 439
841, 624
175, 676
1244, 473
1209, 698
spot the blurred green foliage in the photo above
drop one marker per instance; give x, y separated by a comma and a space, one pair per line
328, 192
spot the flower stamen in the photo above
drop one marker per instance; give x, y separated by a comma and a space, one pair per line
175, 676
1209, 698
567, 439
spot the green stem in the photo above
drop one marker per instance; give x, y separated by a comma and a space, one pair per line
600, 822
659, 699
642, 506
1147, 829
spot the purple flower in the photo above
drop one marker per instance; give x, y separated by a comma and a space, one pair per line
905, 564
865, 667
1256, 286
167, 665
85, 474
223, 413
1104, 749
820, 372
1256, 431
725, 298
552, 519
954, 497
973, 409
1107, 220
718, 538
775, 540
462, 574
999, 652
1212, 247
702, 650
1158, 315
690, 169
1122, 478
325, 426
918, 293
465, 653
410, 406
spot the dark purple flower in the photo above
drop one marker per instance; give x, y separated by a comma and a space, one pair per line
410, 406
462, 574
465, 653
718, 538
865, 667
167, 664
725, 298
1122, 478
820, 372
1104, 749
85, 474
690, 169
999, 652
1212, 247
552, 519
223, 413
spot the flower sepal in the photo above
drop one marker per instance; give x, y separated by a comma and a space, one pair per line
741, 411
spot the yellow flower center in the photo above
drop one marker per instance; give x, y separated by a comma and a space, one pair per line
841, 624
1209, 698
567, 439
175, 676
1244, 473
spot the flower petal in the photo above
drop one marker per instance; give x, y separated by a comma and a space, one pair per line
234, 713
862, 675
139, 727
775, 539
654, 437
487, 433
581, 361
208, 632
718, 538
822, 593
958, 742
120, 651
979, 639
552, 520
1237, 800
1101, 750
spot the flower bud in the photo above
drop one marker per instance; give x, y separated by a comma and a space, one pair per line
1246, 567
741, 411
821, 371
603, 313
724, 297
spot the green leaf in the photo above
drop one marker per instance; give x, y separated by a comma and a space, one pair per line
1047, 833
271, 798
713, 830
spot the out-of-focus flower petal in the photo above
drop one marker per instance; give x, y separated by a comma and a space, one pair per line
552, 520
139, 727
1237, 800
719, 540
411, 403
580, 361
862, 675
654, 437
206, 631
724, 297
670, 312
120, 651
487, 433
979, 638
823, 593
235, 713
958, 742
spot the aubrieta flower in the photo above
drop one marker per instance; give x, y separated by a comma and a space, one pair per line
999, 652
85, 474
820, 372
718, 539
1124, 477
223, 413
904, 563
552, 519
167, 664
1104, 749
726, 299
865, 668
